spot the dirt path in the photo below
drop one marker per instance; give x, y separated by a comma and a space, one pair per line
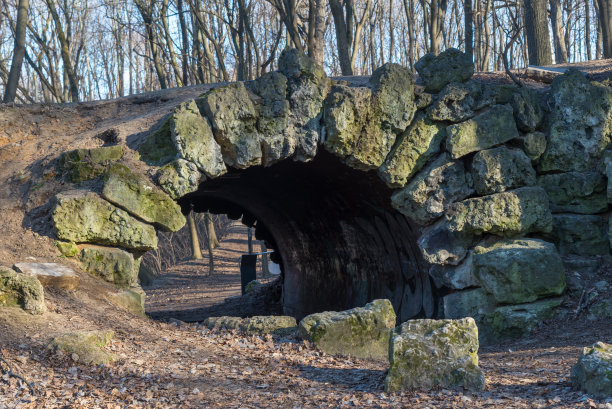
188, 292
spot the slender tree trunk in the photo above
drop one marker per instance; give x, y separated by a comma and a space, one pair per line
316, 30
196, 253
536, 29
184, 43
211, 259
18, 51
210, 228
265, 269
342, 40
587, 29
604, 15
556, 18
469, 28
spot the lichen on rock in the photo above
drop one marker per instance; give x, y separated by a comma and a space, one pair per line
451, 65
87, 164
434, 353
584, 235
593, 371
500, 169
575, 192
179, 178
87, 346
264, 324
362, 332
111, 264
20, 290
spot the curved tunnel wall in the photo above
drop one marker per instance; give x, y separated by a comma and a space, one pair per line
341, 243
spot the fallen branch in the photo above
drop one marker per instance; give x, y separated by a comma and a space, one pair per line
8, 371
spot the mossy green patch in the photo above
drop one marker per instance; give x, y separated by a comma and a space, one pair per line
87, 345
158, 148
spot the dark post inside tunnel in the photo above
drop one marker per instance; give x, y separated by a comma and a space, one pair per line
339, 242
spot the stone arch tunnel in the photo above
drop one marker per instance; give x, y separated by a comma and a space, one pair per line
450, 197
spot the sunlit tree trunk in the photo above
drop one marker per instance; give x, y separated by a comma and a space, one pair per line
536, 29
18, 51
196, 253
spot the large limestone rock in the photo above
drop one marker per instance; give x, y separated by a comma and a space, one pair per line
393, 96
500, 169
277, 138
419, 143
454, 277
459, 102
527, 110
307, 86
580, 124
86, 164
520, 270
111, 264
88, 347
475, 303
533, 144
361, 332
440, 245
265, 324
194, 139
450, 65
233, 115
158, 148
134, 193
593, 371
575, 192
84, 217
50, 274
582, 235
132, 299
441, 183
179, 178
485, 130
520, 211
515, 321
434, 353
20, 290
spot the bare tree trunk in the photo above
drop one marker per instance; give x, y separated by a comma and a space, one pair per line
18, 51
536, 29
265, 269
184, 42
196, 253
587, 29
469, 28
250, 239
210, 229
556, 17
342, 37
604, 15
316, 30
211, 260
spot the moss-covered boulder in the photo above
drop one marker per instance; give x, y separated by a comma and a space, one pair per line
19, 290
581, 235
232, 113
158, 148
84, 217
500, 169
134, 193
266, 324
67, 248
361, 332
533, 144
179, 178
50, 274
459, 102
87, 347
515, 321
111, 264
87, 164
575, 192
277, 137
307, 86
593, 371
434, 353
194, 139
441, 183
419, 143
441, 245
393, 96
520, 211
580, 124
485, 130
474, 302
519, 270
454, 277
132, 299
451, 65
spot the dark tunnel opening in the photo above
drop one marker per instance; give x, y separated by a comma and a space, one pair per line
339, 242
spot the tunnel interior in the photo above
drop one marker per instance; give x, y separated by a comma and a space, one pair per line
339, 242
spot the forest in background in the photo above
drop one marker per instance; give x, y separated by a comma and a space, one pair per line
82, 50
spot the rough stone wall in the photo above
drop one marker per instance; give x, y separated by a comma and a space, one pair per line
507, 184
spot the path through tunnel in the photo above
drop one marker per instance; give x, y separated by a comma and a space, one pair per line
339, 242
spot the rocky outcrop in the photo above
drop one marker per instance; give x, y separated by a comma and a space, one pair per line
86, 164
583, 235
84, 217
500, 169
520, 211
533, 144
20, 290
179, 177
434, 353
449, 66
441, 245
485, 130
593, 371
519, 270
50, 274
111, 264
67, 248
134, 193
454, 277
575, 192
361, 332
